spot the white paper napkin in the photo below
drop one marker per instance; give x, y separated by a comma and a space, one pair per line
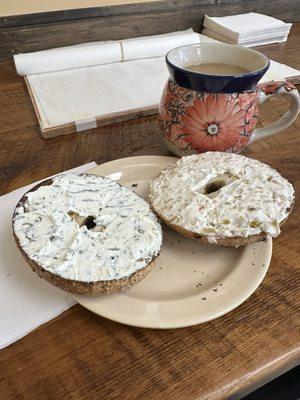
67, 58
157, 45
101, 53
279, 72
244, 25
248, 42
249, 29
106, 89
26, 300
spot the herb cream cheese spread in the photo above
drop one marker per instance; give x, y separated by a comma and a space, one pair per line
87, 228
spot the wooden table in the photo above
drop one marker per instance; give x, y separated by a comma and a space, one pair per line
82, 356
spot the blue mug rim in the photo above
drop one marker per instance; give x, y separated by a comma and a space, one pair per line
198, 76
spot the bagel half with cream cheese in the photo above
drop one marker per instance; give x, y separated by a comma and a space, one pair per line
222, 198
87, 234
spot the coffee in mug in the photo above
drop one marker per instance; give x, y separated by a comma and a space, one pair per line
217, 69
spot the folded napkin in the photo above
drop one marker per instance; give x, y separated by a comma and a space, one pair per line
280, 72
250, 29
250, 42
101, 53
26, 300
157, 45
69, 57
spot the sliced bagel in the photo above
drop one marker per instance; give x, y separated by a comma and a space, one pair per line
87, 234
222, 198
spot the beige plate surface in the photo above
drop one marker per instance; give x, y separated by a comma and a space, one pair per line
191, 283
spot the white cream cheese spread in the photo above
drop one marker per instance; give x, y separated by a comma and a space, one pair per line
87, 228
222, 195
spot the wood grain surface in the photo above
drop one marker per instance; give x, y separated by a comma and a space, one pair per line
82, 356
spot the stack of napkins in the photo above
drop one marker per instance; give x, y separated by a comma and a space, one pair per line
250, 29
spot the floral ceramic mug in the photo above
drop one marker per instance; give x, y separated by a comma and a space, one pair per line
201, 112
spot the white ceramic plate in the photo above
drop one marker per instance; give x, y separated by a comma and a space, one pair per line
191, 283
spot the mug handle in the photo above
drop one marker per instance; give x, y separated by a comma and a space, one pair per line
268, 90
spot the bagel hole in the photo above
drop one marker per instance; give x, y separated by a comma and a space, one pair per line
214, 186
88, 221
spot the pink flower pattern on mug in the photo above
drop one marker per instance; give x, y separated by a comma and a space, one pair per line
222, 122
213, 123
